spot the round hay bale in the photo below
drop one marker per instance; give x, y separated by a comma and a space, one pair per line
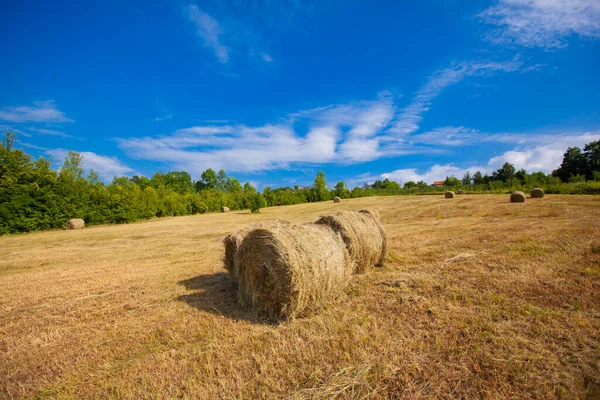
449, 194
224, 209
517, 197
233, 241
537, 193
291, 270
75, 223
337, 200
363, 235
368, 211
460, 192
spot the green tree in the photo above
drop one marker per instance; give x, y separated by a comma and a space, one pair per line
341, 190
573, 163
208, 180
478, 178
410, 184
505, 174
452, 181
467, 178
320, 187
591, 155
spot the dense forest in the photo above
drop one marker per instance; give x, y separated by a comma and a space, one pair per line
33, 196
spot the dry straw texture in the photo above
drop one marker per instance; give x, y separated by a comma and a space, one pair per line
337, 200
233, 241
537, 193
449, 194
368, 211
363, 235
290, 270
517, 197
224, 209
75, 223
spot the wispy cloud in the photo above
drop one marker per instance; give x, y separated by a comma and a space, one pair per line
266, 57
409, 119
163, 118
210, 31
41, 111
106, 167
542, 23
52, 132
349, 133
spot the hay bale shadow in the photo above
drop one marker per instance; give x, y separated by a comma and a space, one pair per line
217, 294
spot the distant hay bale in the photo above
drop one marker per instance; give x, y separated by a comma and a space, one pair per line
517, 197
233, 241
291, 270
537, 193
363, 235
460, 192
75, 223
224, 209
449, 194
337, 200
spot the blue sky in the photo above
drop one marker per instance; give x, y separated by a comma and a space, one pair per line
273, 91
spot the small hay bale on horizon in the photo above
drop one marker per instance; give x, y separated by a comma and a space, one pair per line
337, 200
537, 193
233, 241
224, 209
291, 270
460, 192
75, 223
449, 194
517, 197
363, 235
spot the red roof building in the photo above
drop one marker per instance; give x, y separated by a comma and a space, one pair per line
438, 183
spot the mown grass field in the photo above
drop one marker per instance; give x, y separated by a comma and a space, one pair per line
480, 298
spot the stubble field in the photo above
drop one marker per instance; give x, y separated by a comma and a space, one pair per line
479, 298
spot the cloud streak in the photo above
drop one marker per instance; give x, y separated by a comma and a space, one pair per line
41, 111
409, 119
210, 31
542, 23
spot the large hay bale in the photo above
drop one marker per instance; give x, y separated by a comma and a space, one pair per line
449, 194
233, 241
537, 193
224, 209
75, 223
363, 235
291, 270
337, 200
368, 211
460, 192
517, 197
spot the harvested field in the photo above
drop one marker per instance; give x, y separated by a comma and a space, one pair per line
478, 299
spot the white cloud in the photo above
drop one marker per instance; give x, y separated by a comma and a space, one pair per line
106, 167
435, 173
543, 152
542, 23
42, 111
210, 31
410, 117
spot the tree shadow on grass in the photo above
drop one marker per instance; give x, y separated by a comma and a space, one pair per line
217, 294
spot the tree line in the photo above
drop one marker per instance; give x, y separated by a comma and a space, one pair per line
33, 196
